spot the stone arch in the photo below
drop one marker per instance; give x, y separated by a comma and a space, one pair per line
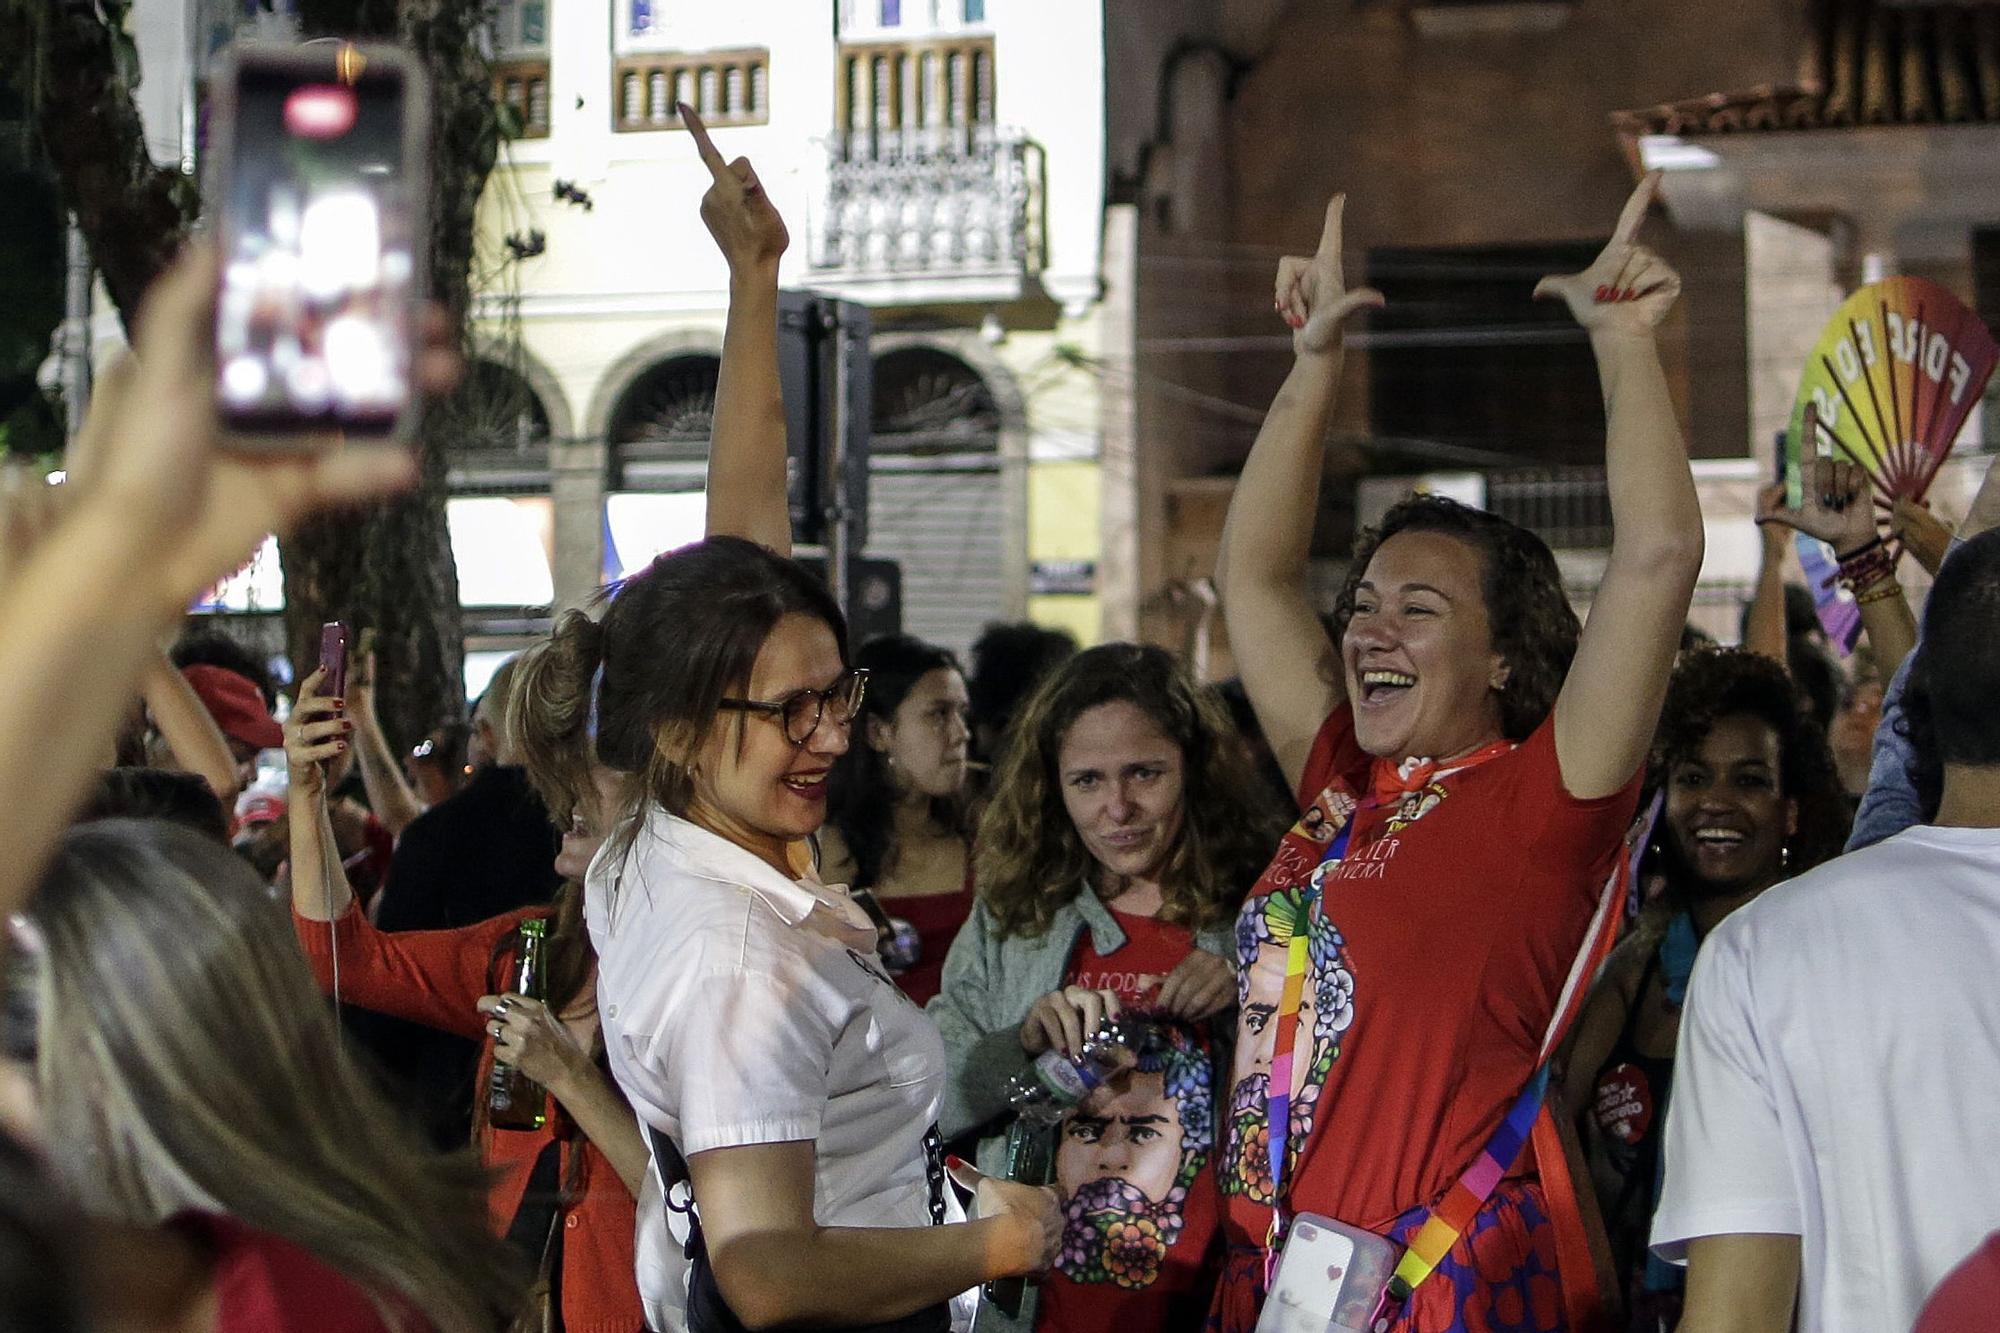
993, 391
497, 429
515, 355
618, 378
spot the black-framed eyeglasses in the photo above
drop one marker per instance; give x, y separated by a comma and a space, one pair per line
801, 710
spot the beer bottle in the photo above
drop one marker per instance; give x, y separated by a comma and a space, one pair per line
513, 1100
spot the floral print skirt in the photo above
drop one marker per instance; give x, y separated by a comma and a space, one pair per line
1500, 1278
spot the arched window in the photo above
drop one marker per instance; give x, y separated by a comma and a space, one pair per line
936, 501
497, 433
660, 426
928, 402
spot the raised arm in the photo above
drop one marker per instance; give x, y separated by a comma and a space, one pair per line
1837, 507
1926, 535
389, 796
1891, 803
1610, 702
315, 735
1764, 623
746, 458
1260, 577
166, 513
189, 730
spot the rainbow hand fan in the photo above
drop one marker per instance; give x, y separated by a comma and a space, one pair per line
1894, 375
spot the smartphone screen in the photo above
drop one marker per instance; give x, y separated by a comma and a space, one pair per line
320, 243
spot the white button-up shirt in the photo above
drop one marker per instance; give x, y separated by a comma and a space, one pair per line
740, 1006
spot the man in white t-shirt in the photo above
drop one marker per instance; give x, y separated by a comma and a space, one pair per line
1834, 1141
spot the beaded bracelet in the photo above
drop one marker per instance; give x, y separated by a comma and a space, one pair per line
1863, 568
1879, 591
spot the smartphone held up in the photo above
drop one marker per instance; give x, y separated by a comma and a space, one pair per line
318, 168
333, 659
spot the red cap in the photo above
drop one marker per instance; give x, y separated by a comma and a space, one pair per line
258, 808
236, 706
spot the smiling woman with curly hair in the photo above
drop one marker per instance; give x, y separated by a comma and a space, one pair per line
1751, 797
1123, 832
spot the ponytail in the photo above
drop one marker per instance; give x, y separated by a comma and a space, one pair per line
550, 713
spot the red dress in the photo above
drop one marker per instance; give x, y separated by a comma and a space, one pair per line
436, 977
936, 917
1437, 957
264, 1284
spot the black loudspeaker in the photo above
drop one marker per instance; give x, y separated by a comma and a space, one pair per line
828, 377
874, 591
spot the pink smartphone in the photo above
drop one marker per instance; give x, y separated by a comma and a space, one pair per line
320, 177
1330, 1276
333, 659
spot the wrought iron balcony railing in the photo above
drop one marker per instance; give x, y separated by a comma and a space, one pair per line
932, 203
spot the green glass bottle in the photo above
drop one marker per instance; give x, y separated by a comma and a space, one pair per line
513, 1100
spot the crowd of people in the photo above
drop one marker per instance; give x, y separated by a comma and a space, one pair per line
1573, 975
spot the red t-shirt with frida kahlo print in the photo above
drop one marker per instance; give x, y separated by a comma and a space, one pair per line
1437, 954
1136, 1164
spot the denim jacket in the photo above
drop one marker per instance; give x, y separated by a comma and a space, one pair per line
989, 985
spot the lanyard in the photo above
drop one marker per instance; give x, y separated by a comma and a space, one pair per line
1412, 776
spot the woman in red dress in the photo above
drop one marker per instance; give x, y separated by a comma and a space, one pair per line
899, 817
577, 1218
1466, 764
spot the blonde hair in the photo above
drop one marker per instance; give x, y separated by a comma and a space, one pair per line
187, 1061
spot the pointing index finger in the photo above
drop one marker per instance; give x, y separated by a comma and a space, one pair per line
1330, 233
711, 156
1636, 208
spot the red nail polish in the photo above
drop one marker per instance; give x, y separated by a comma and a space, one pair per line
1604, 292
340, 745
953, 1161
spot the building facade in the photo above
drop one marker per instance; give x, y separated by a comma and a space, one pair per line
1811, 144
939, 161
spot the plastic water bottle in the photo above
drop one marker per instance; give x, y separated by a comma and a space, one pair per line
1057, 1083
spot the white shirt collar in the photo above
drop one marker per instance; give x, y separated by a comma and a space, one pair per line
703, 854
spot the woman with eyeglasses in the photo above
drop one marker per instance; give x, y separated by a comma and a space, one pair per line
789, 1092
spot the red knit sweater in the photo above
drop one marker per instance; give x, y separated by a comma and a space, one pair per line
435, 977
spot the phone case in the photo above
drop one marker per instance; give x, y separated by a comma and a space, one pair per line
1330, 1276
318, 60
333, 656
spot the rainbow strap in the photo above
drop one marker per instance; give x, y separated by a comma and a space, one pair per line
1461, 1204
1454, 1213
1279, 1088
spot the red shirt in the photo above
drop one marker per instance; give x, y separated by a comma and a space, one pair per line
1966, 1300
1437, 959
936, 918
265, 1284
1138, 1177
436, 977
